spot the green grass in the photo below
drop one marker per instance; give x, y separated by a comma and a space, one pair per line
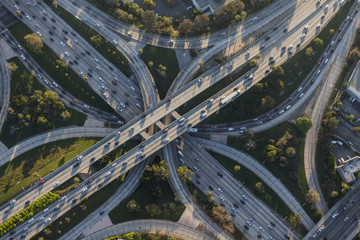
8, 139
58, 228
68, 79
106, 48
165, 57
143, 195
223, 83
248, 105
293, 175
35, 164
67, 186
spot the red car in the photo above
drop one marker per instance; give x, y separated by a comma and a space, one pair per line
197, 175
169, 99
165, 130
42, 181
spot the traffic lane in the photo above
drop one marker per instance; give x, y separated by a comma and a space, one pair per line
212, 168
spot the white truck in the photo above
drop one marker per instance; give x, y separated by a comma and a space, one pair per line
226, 99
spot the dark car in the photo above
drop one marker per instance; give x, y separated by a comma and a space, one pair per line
64, 31
210, 187
102, 212
76, 164
53, 20
53, 27
43, 18
220, 174
267, 37
87, 52
242, 201
235, 205
51, 39
72, 33
246, 227
51, 32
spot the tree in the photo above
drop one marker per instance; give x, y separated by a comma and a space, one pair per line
201, 64
133, 206
344, 187
317, 43
312, 197
149, 19
12, 67
184, 173
309, 51
252, 62
267, 102
357, 129
349, 117
140, 51
220, 215
42, 121
153, 209
170, 3
18, 12
164, 25
354, 54
278, 70
186, 27
319, 213
330, 123
334, 194
290, 152
283, 162
331, 31
270, 152
34, 42
86, 78
295, 220
201, 22
237, 168
338, 104
65, 115
55, 4
149, 3
258, 56
150, 64
259, 187
97, 40
160, 171
161, 70
303, 124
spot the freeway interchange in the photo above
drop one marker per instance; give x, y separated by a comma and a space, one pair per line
138, 121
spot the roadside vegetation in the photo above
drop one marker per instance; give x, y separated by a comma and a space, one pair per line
28, 212
30, 167
218, 213
32, 108
74, 216
105, 48
59, 70
280, 149
283, 81
143, 236
153, 199
332, 186
190, 23
163, 65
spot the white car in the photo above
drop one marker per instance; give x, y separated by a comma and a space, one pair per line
30, 220
108, 174
38, 33
326, 61
132, 88
114, 42
45, 210
23, 57
96, 60
105, 95
66, 53
219, 189
56, 184
47, 220
12, 202
16, 7
86, 106
55, 84
84, 189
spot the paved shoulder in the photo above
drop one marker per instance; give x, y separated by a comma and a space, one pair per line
150, 226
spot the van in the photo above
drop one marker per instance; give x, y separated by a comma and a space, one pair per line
231, 129
288, 107
181, 154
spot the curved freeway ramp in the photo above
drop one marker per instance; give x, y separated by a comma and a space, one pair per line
150, 226
52, 136
4, 88
260, 171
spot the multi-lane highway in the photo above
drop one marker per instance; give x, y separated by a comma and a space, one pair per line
251, 212
192, 116
259, 170
4, 88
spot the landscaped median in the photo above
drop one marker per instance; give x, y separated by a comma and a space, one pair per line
280, 149
279, 85
61, 73
28, 168
105, 48
28, 212
143, 236
27, 117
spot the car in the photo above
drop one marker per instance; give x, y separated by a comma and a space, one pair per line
220, 174
261, 228
84, 189
235, 205
210, 187
76, 165
47, 220
42, 181
269, 226
326, 61
332, 43
272, 223
267, 37
220, 190
108, 174
63, 198
242, 201
56, 184
12, 202
200, 80
166, 140
321, 228
102, 212
169, 99
45, 210
132, 88
23, 57
246, 227
165, 130
249, 222
27, 203
105, 95
196, 169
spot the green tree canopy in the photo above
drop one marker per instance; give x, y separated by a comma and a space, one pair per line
34, 42
303, 124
